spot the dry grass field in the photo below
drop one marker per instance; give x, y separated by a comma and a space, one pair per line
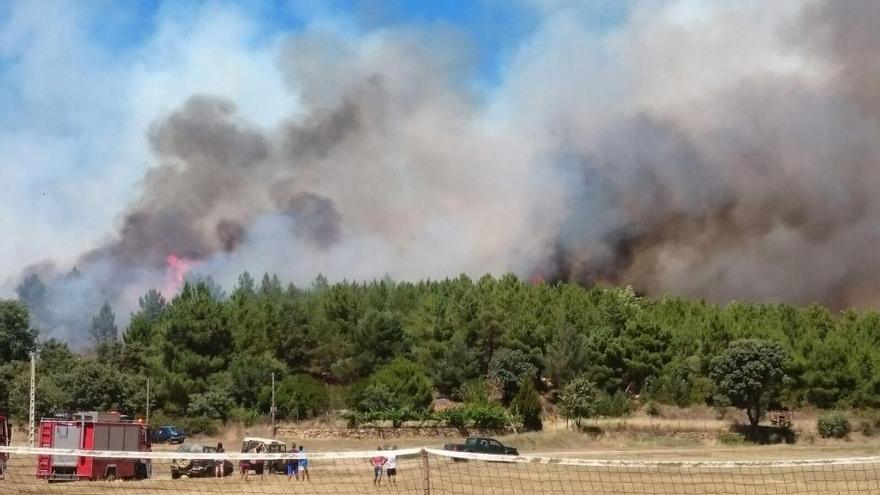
478, 477
668, 439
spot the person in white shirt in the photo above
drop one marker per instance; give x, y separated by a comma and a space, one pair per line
391, 467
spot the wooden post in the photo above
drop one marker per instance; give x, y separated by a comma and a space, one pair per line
426, 467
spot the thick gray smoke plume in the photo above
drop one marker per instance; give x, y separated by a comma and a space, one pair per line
726, 150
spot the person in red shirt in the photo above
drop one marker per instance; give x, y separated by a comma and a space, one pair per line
378, 463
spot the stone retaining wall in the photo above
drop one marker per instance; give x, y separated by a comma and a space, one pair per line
376, 432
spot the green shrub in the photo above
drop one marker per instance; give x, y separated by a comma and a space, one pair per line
720, 403
510, 368
579, 399
197, 425
487, 416
652, 409
870, 425
214, 404
476, 392
191, 425
353, 419
456, 417
367, 397
401, 415
614, 405
732, 439
301, 396
833, 425
396, 416
527, 405
397, 385
245, 416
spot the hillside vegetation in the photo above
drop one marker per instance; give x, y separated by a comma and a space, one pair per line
387, 349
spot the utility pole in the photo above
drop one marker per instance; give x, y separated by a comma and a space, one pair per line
33, 405
272, 411
148, 401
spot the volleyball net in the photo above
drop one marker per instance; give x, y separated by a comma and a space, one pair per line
417, 471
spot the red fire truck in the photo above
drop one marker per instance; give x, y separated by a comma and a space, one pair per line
93, 431
5, 438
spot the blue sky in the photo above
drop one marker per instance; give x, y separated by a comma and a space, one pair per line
493, 27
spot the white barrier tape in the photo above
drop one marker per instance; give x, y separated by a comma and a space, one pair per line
564, 461
608, 463
232, 456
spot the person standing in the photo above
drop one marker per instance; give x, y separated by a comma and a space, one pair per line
219, 463
378, 463
260, 464
391, 467
244, 465
303, 464
255, 464
292, 467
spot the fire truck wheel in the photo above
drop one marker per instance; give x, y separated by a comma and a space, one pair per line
140, 471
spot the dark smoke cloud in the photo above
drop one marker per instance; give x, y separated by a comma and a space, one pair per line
741, 165
316, 218
763, 193
230, 234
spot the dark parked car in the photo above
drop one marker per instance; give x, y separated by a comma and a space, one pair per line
268, 446
482, 446
168, 434
196, 467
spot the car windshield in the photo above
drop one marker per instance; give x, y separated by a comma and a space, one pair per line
277, 448
172, 430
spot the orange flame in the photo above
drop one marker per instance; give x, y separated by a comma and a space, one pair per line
175, 273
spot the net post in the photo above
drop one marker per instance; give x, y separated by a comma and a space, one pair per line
426, 468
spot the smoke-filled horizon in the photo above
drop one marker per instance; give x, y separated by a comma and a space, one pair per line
726, 151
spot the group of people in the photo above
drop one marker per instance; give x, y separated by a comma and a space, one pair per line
297, 467
384, 463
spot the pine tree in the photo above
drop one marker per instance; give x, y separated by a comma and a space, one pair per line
245, 288
103, 327
152, 305
34, 294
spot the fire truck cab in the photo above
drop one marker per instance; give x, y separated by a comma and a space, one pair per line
5, 438
101, 431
